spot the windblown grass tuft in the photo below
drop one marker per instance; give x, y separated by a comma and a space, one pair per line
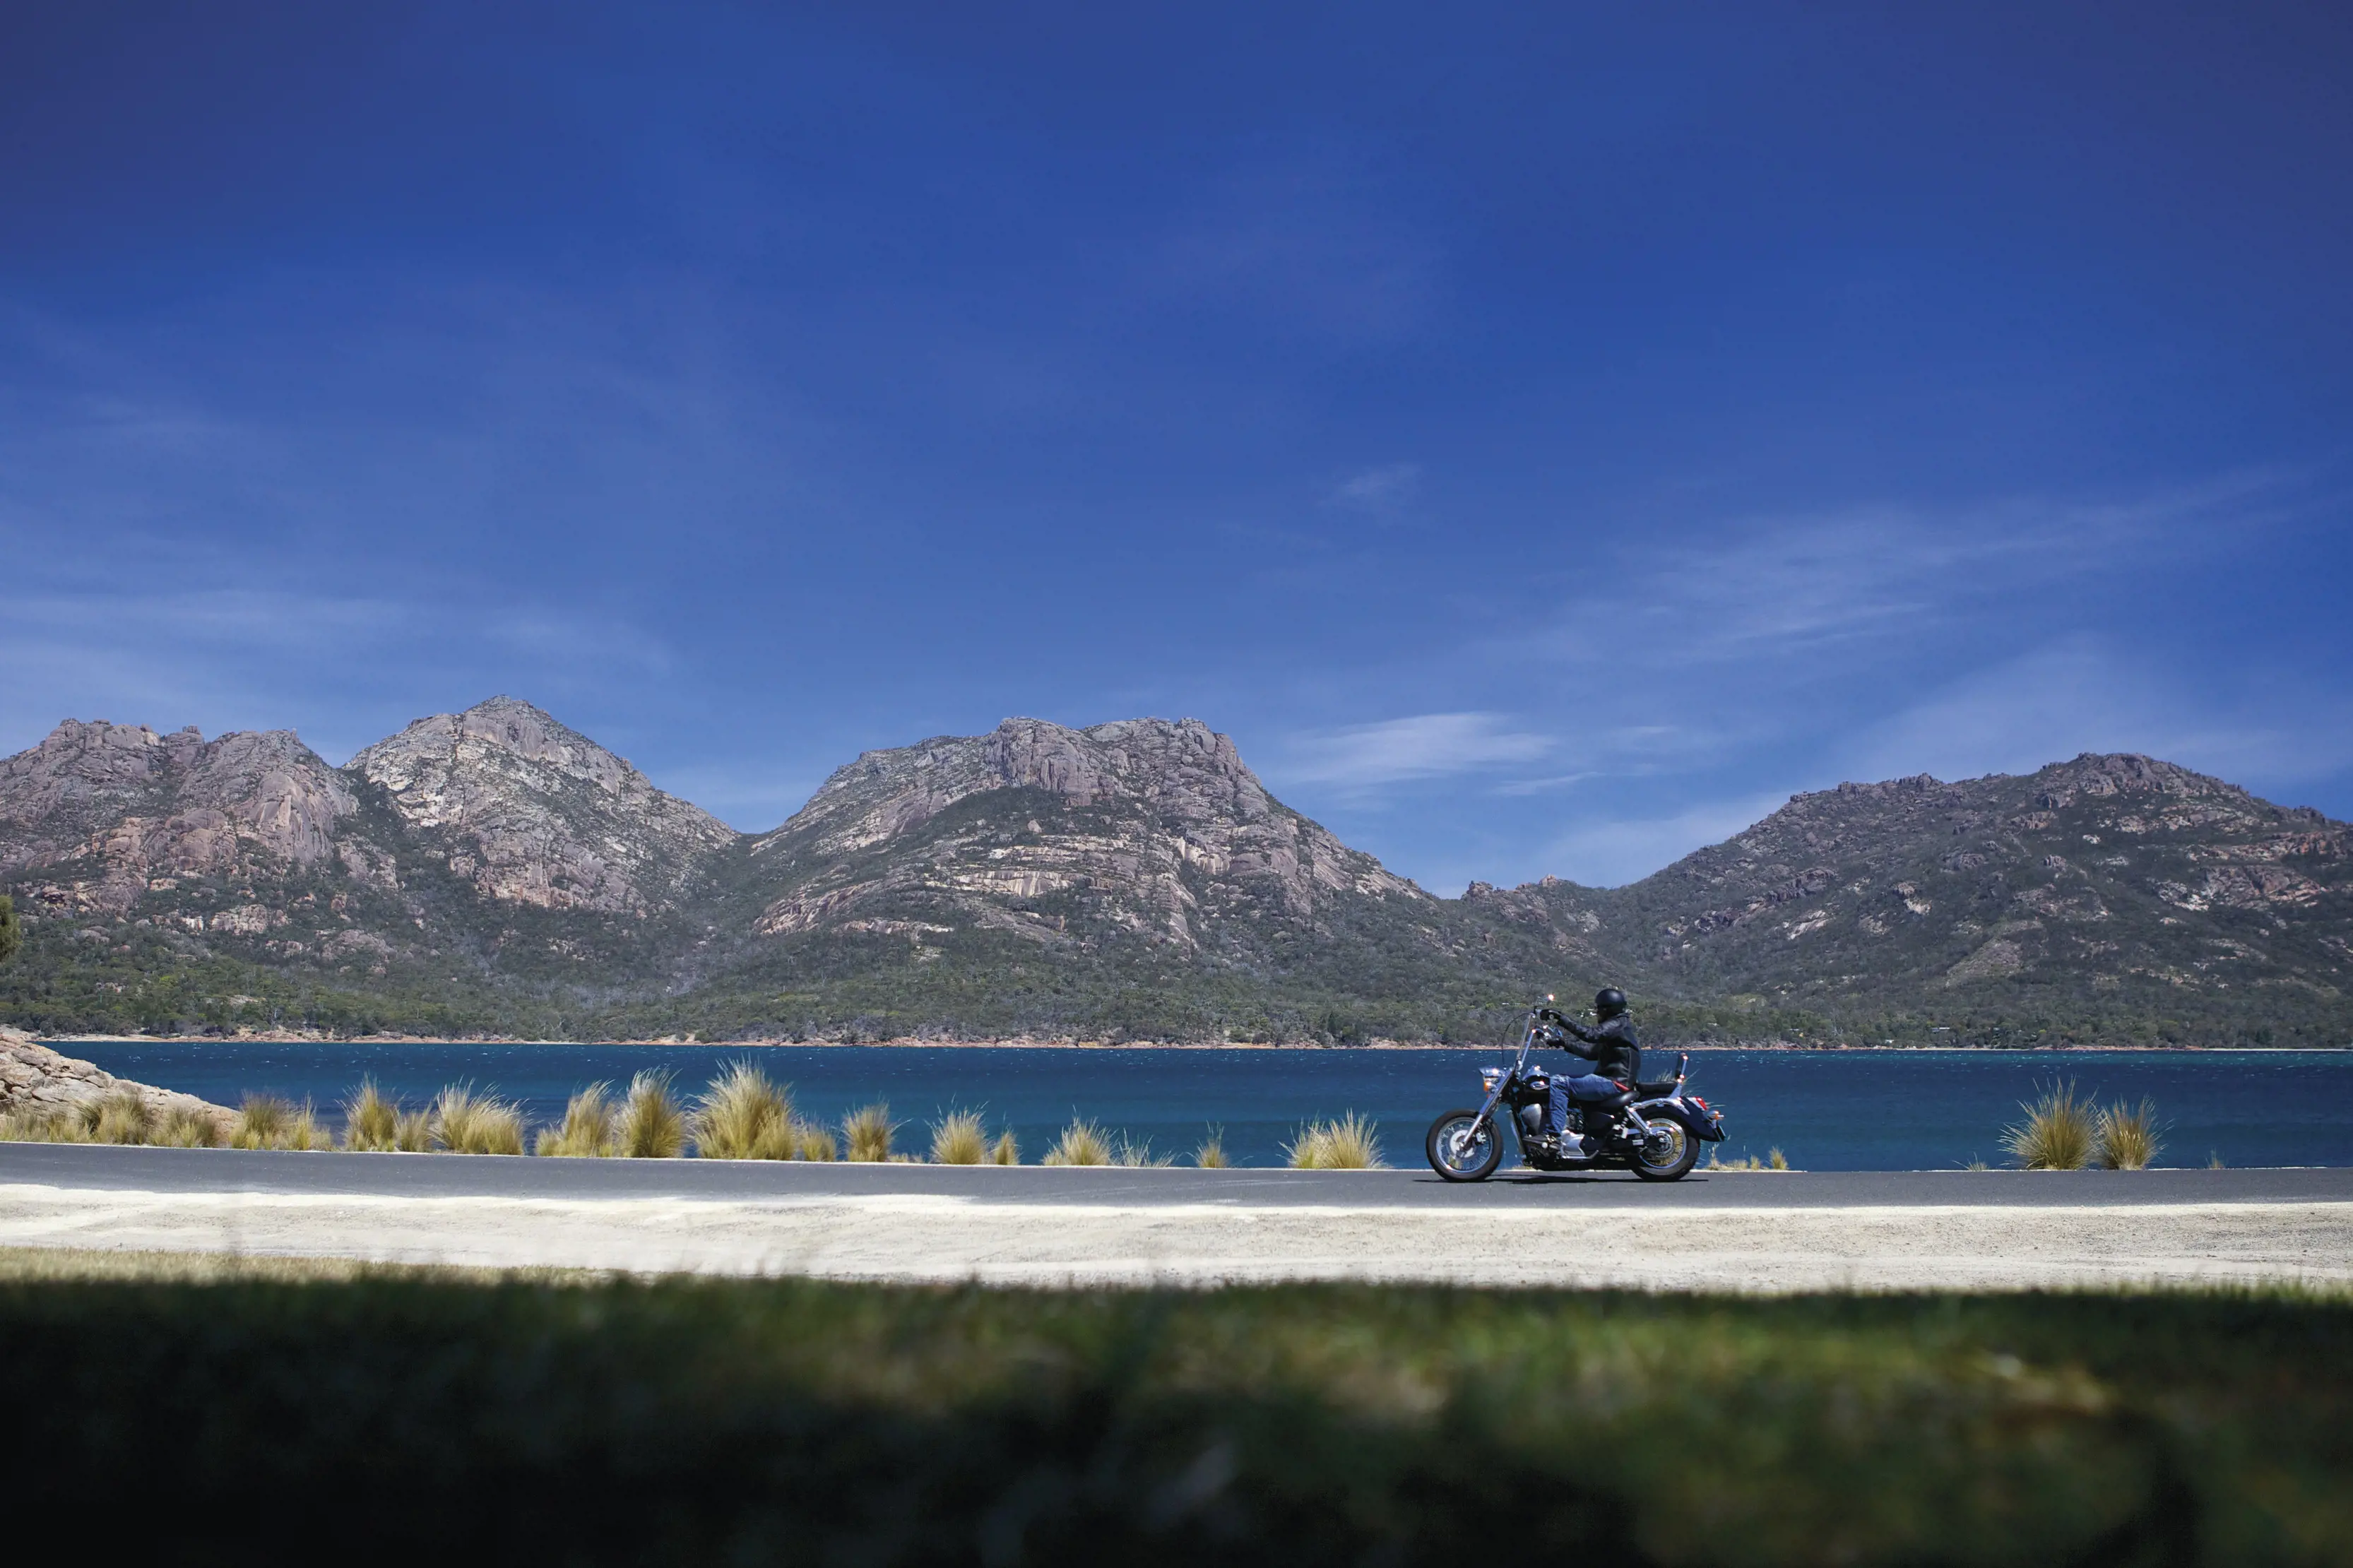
266, 1122
43, 1124
2057, 1133
465, 1122
813, 1142
1349, 1143
650, 1126
371, 1123
959, 1139
262, 1122
587, 1129
414, 1132
743, 1116
305, 1131
1211, 1153
185, 1127
867, 1130
123, 1117
1005, 1151
2128, 1136
1081, 1143
1128, 1151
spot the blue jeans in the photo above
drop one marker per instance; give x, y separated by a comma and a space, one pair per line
1591, 1086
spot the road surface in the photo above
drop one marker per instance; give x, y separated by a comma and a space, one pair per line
1045, 1224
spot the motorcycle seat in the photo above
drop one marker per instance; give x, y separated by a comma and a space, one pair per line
1616, 1100
1659, 1091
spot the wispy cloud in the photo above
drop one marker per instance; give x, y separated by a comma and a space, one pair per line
1425, 747
1790, 585
1610, 852
1378, 490
2083, 694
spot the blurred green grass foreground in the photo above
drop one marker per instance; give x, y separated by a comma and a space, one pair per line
559, 1421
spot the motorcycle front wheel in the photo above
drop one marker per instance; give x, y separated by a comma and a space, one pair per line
1668, 1154
1462, 1148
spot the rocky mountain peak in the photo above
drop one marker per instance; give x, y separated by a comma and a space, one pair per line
532, 812
503, 726
1156, 828
2093, 777
143, 803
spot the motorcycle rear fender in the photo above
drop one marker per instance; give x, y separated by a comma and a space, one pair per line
1705, 1126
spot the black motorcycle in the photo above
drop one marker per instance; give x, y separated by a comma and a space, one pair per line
1652, 1129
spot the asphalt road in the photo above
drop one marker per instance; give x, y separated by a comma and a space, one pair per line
95, 1167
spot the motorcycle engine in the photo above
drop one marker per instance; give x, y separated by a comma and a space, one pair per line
1531, 1118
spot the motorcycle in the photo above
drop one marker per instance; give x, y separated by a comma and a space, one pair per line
1653, 1128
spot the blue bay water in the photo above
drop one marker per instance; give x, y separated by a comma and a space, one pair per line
1827, 1110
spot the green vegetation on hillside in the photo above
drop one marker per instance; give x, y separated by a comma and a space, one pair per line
778, 1422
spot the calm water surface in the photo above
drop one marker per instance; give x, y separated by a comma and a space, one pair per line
1872, 1111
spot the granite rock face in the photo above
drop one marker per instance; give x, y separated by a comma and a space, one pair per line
1143, 827
1133, 876
33, 1077
533, 813
2114, 876
106, 810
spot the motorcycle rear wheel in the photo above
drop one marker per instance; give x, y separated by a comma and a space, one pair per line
1460, 1149
1668, 1155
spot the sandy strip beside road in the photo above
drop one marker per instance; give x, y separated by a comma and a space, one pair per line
945, 1238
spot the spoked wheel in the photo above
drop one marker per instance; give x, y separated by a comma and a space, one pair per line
1668, 1154
1462, 1148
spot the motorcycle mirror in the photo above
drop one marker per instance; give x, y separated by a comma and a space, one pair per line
1550, 997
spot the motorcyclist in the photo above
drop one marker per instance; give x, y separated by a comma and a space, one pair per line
1609, 1046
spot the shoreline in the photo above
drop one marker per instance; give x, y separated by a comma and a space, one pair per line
291, 1037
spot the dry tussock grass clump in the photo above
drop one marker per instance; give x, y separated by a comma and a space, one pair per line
123, 1117
1128, 1151
1349, 1143
413, 1134
650, 1125
465, 1122
1211, 1153
263, 1122
371, 1123
587, 1129
1081, 1143
745, 1116
1005, 1151
185, 1127
2057, 1133
959, 1139
867, 1130
42, 1124
2127, 1136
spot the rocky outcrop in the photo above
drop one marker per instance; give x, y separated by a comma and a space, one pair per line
1145, 826
533, 813
35, 1078
107, 810
2102, 876
497, 856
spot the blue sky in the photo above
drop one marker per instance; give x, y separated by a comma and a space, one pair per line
1545, 437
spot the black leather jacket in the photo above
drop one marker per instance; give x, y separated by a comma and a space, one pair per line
1615, 1052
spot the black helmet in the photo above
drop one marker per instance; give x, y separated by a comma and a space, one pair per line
1609, 1002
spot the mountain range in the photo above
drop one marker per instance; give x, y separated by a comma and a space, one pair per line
494, 871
